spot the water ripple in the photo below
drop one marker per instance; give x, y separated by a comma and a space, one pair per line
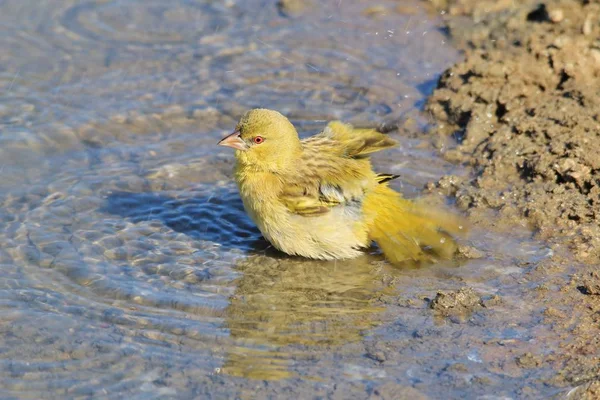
155, 24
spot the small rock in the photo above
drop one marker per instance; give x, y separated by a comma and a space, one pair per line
491, 301
454, 156
457, 367
376, 351
528, 360
553, 312
456, 305
464, 297
377, 356
470, 252
587, 25
556, 15
449, 184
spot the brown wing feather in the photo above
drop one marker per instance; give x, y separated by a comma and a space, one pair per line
324, 181
334, 170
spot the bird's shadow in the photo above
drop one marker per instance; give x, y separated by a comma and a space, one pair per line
216, 215
210, 214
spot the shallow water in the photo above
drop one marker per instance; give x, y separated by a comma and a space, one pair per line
128, 266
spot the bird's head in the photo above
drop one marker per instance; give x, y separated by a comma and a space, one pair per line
264, 140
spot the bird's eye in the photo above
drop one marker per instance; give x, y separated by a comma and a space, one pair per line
258, 139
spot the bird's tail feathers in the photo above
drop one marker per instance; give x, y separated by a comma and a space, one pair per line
411, 231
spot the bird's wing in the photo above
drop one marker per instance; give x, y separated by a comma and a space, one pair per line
324, 181
348, 141
335, 170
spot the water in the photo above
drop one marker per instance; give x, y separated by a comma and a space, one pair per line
128, 266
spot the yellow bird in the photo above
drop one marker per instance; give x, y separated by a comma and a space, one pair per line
319, 197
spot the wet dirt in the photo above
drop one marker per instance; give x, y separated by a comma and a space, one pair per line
522, 112
129, 269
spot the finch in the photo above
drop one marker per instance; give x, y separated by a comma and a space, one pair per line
320, 198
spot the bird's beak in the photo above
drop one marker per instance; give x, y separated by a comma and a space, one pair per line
234, 141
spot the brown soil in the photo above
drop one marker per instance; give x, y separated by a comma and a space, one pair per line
524, 108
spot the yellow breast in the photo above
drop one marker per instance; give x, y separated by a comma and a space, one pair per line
337, 234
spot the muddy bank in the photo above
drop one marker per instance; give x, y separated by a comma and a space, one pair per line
523, 111
525, 107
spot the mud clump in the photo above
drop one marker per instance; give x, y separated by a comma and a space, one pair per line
529, 360
470, 252
525, 108
456, 305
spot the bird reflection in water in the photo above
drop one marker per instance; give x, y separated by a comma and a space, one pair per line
280, 306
